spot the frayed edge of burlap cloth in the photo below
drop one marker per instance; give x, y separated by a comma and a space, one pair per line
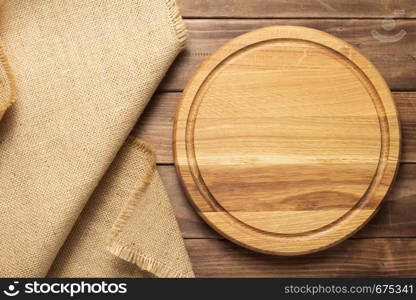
115, 244
128, 228
122, 249
7, 82
177, 22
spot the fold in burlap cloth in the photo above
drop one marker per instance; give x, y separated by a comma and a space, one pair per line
71, 203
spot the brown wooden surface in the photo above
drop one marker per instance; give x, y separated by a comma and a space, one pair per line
156, 124
387, 245
352, 258
396, 217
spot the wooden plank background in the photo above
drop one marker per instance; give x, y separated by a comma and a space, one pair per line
294, 8
387, 245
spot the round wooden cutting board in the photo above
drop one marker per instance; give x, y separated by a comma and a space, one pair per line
286, 140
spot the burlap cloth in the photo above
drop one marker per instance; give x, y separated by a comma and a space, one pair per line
72, 204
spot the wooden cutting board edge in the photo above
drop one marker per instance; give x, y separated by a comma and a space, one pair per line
382, 85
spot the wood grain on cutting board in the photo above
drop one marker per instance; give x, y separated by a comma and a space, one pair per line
286, 140
156, 126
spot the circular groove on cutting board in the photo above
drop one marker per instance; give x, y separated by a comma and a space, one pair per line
286, 140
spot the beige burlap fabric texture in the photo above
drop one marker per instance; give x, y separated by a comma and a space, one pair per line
71, 203
106, 225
